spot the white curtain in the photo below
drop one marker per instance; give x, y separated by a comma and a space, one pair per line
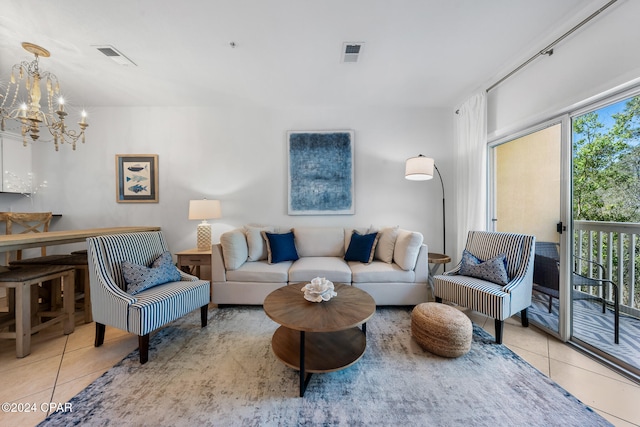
471, 170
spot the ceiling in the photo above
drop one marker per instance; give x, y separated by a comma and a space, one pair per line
427, 53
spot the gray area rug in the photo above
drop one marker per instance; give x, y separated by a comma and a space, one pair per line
226, 374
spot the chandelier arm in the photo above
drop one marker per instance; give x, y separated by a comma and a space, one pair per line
31, 115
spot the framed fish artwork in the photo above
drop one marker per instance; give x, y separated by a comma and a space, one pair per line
137, 178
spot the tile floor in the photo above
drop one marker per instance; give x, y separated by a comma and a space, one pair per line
61, 366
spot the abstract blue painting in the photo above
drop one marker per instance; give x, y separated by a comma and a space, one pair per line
321, 172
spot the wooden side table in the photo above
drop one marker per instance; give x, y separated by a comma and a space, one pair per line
190, 262
437, 260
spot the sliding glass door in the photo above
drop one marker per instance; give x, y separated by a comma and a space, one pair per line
606, 231
527, 197
574, 183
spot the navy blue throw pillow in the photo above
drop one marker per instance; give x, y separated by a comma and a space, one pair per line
362, 247
280, 247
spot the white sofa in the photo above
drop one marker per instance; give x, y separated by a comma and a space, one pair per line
242, 274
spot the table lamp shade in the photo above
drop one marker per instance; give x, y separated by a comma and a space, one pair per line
204, 210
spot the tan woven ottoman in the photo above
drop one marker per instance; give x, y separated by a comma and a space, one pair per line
441, 329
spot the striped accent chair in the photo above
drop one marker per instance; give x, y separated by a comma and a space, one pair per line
491, 299
149, 309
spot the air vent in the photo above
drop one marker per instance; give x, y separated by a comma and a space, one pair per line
351, 51
112, 53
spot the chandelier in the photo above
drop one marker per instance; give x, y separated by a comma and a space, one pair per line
29, 113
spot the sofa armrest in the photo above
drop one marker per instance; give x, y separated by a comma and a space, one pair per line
422, 264
218, 272
106, 297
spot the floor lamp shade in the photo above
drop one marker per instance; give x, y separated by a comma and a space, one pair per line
204, 209
419, 168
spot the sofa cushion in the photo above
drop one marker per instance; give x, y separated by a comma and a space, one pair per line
140, 277
280, 247
386, 244
331, 268
407, 248
319, 241
380, 272
255, 242
234, 248
362, 247
261, 271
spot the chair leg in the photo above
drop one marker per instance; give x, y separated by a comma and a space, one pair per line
524, 318
499, 325
143, 346
438, 299
99, 334
550, 303
203, 314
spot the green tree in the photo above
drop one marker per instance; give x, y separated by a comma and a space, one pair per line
606, 165
626, 194
606, 178
595, 152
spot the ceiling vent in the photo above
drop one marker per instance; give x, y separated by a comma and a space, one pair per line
351, 51
115, 55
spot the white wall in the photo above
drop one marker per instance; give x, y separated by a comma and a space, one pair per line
238, 155
599, 57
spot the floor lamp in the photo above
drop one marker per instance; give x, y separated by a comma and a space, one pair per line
421, 169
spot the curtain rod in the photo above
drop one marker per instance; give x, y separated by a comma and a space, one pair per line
549, 49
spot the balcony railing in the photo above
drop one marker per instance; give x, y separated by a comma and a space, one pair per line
615, 246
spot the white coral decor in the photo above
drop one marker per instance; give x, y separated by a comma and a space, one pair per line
320, 289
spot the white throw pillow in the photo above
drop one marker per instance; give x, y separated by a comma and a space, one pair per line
319, 241
255, 242
234, 248
407, 248
386, 244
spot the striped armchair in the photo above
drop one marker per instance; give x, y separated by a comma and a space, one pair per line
491, 299
149, 309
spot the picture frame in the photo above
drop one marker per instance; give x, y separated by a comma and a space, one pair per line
321, 172
137, 178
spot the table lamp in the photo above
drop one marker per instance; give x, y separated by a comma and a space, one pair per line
204, 209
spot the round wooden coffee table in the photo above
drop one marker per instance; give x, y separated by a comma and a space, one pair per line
319, 336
